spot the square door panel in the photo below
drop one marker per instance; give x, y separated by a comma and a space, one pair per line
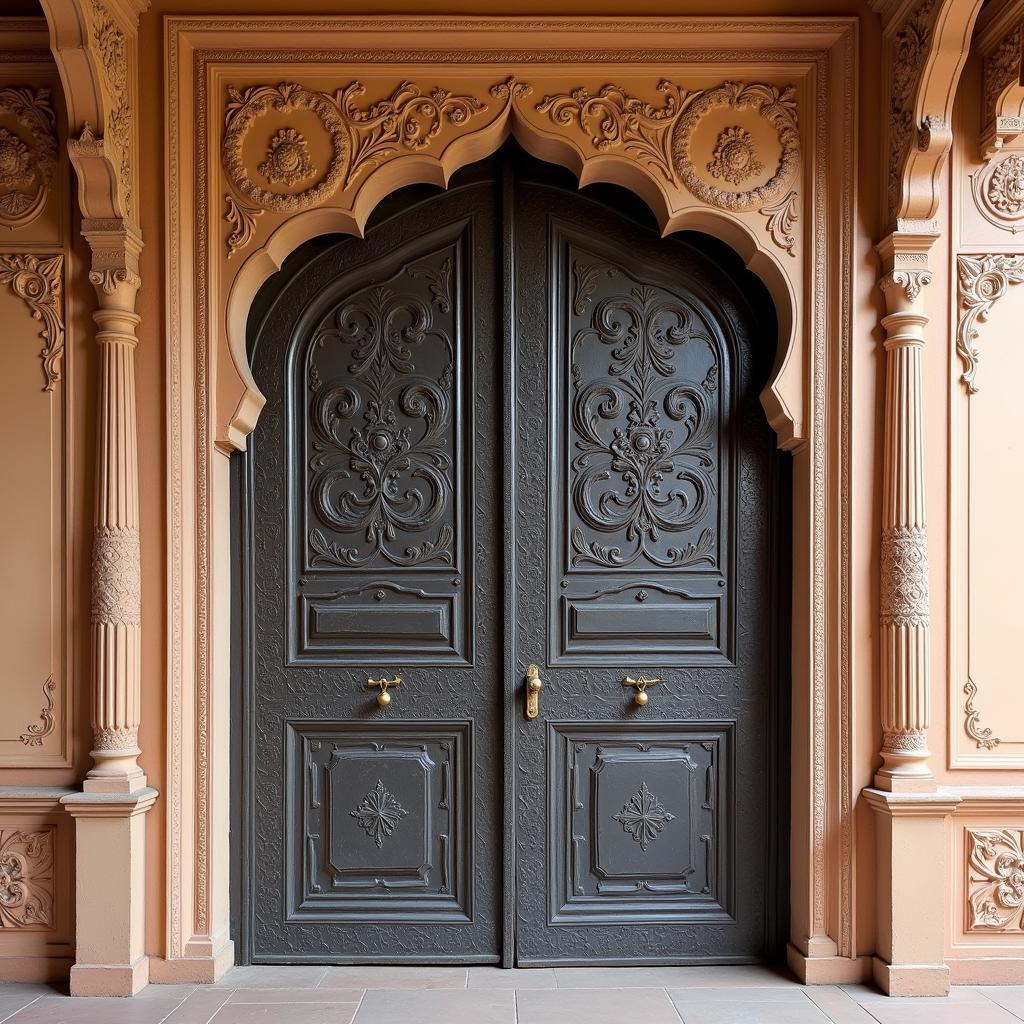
381, 821
640, 822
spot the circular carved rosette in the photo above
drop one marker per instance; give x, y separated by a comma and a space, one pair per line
738, 135
999, 192
28, 154
268, 177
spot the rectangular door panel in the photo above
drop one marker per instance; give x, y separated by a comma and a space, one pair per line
380, 821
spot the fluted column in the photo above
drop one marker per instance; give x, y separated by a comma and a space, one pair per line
116, 578
905, 682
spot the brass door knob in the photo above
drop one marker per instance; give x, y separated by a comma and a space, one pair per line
640, 684
383, 698
533, 688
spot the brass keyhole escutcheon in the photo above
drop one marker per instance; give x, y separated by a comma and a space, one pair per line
383, 698
533, 688
640, 684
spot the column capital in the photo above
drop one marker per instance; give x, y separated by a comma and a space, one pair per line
116, 244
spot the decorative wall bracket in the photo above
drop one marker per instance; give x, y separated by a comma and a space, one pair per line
984, 280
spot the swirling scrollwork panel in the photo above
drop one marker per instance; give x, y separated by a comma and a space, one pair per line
642, 374
382, 384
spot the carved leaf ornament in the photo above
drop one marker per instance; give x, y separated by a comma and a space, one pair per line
378, 814
734, 170
983, 281
26, 878
995, 879
644, 817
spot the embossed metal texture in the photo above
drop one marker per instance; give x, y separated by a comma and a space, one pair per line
510, 427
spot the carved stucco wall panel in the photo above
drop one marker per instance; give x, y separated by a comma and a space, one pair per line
307, 141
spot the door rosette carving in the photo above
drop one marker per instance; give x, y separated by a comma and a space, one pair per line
28, 154
999, 192
246, 109
644, 442
734, 158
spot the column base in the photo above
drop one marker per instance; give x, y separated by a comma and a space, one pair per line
911, 979
196, 970
110, 892
110, 979
828, 970
912, 894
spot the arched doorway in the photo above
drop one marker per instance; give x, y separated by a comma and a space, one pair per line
512, 429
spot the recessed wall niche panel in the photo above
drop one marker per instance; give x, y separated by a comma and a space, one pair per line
641, 560
381, 558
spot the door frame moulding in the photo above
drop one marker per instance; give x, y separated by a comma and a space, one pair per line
217, 262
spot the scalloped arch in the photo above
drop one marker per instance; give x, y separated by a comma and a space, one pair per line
240, 407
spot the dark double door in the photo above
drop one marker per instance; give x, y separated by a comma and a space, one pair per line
510, 427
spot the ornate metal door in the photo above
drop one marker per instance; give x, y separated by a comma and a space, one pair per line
511, 438
373, 592
643, 496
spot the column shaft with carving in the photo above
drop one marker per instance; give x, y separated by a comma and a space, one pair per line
905, 639
116, 577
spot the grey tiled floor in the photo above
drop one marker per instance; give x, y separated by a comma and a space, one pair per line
487, 995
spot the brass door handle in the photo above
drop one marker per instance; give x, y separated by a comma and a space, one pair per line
383, 698
640, 685
533, 688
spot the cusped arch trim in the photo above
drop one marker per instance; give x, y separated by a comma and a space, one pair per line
240, 399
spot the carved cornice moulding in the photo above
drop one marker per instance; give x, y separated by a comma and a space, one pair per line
296, 119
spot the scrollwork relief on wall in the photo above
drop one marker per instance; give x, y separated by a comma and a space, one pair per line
28, 153
35, 733
995, 879
983, 281
39, 281
26, 877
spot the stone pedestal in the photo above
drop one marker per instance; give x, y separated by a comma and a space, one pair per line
110, 879
912, 891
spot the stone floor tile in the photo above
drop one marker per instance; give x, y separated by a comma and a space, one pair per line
200, 1007
322, 994
741, 993
592, 1006
95, 1010
911, 1011
281, 1013
371, 976
496, 977
1009, 997
272, 976
11, 1004
475, 1006
865, 994
837, 1005
693, 1009
152, 991
671, 977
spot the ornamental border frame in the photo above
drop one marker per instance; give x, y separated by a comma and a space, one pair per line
198, 557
